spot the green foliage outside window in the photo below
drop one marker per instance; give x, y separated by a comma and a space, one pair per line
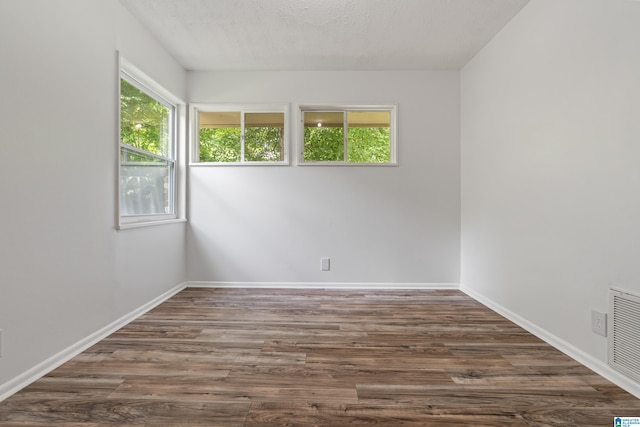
261, 144
364, 145
144, 122
369, 145
324, 144
220, 144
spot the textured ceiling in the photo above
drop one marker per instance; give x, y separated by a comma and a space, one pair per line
323, 34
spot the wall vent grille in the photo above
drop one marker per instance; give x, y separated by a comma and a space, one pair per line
624, 333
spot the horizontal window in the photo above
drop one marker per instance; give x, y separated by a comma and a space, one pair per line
348, 135
237, 135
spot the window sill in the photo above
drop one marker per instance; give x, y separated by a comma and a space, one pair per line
343, 164
139, 224
241, 164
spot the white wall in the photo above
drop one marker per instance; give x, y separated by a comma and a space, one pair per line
550, 176
378, 225
65, 272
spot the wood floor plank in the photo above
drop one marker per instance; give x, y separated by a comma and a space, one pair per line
483, 395
283, 357
223, 391
124, 369
302, 375
397, 414
124, 411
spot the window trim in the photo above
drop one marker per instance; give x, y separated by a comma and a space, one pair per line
196, 108
340, 108
137, 78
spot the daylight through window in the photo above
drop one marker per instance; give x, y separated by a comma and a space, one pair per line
147, 153
242, 136
353, 135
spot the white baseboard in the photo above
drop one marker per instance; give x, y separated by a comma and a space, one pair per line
596, 365
21, 381
322, 285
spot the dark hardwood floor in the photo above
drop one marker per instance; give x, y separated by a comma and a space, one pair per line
277, 357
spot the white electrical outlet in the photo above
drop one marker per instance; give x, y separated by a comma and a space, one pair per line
599, 323
325, 264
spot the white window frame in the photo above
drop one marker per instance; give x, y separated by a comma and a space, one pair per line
194, 116
393, 137
142, 81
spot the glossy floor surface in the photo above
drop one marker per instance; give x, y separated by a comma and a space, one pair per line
282, 357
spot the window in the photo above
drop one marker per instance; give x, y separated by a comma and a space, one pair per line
348, 135
148, 122
237, 135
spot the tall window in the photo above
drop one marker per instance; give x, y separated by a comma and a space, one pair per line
348, 135
147, 153
237, 135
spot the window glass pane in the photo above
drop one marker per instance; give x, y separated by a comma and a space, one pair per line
323, 136
368, 136
144, 184
264, 137
220, 136
145, 123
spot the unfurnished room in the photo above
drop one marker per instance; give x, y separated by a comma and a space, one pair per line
320, 212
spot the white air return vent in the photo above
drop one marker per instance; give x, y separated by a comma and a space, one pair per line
624, 333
